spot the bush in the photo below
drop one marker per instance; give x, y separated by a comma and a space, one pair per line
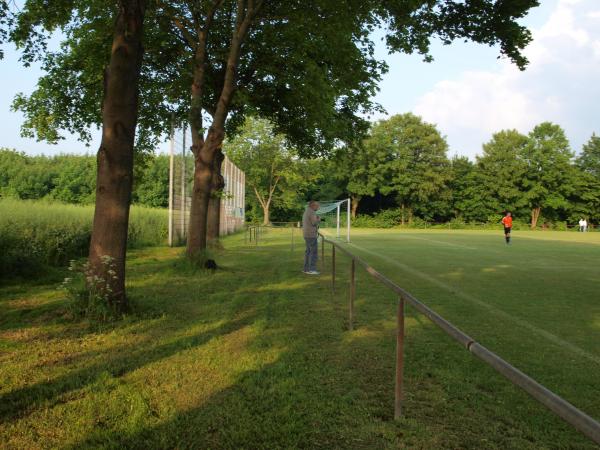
34, 234
387, 218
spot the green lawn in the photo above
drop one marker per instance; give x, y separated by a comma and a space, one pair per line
258, 355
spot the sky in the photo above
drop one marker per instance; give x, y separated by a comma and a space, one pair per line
467, 92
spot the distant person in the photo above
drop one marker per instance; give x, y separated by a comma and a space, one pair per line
310, 227
581, 222
584, 225
507, 222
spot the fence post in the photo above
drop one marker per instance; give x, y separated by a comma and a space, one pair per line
323, 253
399, 359
333, 268
352, 295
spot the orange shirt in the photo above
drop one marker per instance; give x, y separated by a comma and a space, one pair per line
507, 221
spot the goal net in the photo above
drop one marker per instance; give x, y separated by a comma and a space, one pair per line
335, 218
181, 180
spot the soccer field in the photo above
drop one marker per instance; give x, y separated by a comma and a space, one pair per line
536, 302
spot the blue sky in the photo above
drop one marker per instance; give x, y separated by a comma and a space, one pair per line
467, 92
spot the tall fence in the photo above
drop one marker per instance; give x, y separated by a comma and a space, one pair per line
181, 180
566, 411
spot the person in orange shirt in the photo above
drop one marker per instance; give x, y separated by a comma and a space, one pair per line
507, 222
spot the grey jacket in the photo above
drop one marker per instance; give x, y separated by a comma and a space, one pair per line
310, 223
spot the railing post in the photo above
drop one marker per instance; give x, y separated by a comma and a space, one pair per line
352, 295
323, 253
333, 268
399, 359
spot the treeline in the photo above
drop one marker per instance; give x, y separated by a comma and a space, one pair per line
72, 178
401, 174
536, 176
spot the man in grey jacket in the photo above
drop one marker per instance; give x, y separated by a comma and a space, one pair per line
310, 227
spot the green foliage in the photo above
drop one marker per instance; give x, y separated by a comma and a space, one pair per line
387, 218
34, 234
548, 175
151, 187
72, 178
275, 176
500, 173
411, 158
314, 82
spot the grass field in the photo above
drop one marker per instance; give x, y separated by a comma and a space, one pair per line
535, 302
37, 234
258, 355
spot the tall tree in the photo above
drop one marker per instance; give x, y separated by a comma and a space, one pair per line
307, 66
273, 172
269, 57
119, 112
589, 159
586, 198
548, 177
466, 202
416, 166
358, 168
500, 171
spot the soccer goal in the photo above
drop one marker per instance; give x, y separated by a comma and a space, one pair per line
335, 216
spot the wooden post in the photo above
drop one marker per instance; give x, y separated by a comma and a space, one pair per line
333, 268
399, 359
323, 253
352, 295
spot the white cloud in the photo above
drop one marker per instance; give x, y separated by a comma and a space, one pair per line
559, 85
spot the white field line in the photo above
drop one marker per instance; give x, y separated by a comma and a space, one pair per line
440, 242
536, 330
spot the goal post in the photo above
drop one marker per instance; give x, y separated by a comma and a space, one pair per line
336, 214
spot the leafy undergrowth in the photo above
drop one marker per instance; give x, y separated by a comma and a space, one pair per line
256, 355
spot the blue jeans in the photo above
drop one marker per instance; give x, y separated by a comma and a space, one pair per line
310, 256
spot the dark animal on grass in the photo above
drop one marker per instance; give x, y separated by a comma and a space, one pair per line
210, 264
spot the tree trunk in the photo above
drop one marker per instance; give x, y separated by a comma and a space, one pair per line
205, 150
203, 175
402, 216
115, 155
354, 207
535, 214
266, 213
214, 204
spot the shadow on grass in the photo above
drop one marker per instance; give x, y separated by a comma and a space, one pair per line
20, 401
328, 388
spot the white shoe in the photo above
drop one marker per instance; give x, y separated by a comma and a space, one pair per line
313, 272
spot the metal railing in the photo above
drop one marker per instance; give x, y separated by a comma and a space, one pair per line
256, 233
566, 411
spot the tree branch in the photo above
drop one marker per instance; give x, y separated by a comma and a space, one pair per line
259, 197
182, 24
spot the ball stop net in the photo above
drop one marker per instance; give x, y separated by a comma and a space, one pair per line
335, 218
